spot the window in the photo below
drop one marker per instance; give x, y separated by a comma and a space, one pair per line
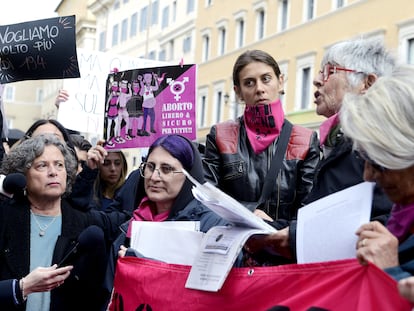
309, 9
133, 27
174, 11
9, 93
306, 83
143, 20
218, 102
206, 47
162, 56
410, 51
202, 108
102, 41
190, 6
154, 12
303, 93
171, 50
187, 44
115, 34
283, 14
336, 4
406, 42
165, 17
209, 3
239, 33
283, 66
124, 30
151, 55
39, 95
202, 112
116, 5
260, 24
222, 41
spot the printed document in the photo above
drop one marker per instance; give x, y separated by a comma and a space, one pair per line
221, 245
326, 228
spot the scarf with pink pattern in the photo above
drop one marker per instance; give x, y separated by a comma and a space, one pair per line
263, 124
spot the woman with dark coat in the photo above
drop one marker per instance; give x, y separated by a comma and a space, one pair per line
40, 228
159, 191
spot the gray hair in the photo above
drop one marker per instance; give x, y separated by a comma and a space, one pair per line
21, 157
368, 56
380, 122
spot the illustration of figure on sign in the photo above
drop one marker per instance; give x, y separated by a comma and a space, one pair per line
134, 108
148, 103
123, 97
112, 113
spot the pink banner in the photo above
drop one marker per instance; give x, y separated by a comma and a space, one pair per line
142, 284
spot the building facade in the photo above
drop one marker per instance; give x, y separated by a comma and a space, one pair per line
212, 33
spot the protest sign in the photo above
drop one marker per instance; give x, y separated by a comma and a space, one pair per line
42, 49
84, 110
143, 104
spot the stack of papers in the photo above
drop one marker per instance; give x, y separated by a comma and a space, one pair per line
221, 245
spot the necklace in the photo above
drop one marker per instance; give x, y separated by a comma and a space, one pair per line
42, 229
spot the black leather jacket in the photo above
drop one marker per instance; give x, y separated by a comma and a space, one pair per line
231, 165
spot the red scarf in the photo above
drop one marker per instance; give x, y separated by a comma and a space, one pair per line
263, 124
145, 212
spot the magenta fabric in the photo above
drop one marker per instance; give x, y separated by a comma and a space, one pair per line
401, 220
263, 124
144, 212
326, 127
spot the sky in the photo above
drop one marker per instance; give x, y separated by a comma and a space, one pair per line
18, 11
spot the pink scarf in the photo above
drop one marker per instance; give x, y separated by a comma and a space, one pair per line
401, 221
326, 127
263, 124
144, 212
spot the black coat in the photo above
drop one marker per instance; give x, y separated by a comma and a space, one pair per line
341, 169
83, 289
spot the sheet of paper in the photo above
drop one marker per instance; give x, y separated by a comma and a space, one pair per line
219, 249
175, 242
227, 207
326, 228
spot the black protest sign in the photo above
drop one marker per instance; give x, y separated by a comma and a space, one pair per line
42, 49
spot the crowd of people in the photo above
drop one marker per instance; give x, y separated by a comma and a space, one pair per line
79, 196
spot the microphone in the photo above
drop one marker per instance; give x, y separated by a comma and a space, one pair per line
88, 239
12, 184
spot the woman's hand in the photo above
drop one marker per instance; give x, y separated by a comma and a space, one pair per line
262, 214
406, 288
96, 156
377, 245
277, 243
122, 251
62, 96
44, 279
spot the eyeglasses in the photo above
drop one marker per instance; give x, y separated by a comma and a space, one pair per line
363, 155
329, 69
146, 170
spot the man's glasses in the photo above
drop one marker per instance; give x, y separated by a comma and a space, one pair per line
363, 155
329, 69
146, 170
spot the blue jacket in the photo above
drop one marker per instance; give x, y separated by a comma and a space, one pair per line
406, 258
